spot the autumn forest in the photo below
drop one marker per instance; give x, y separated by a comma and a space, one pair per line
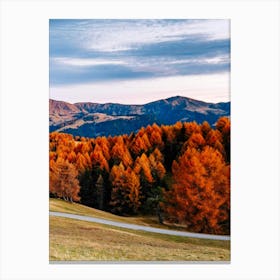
180, 173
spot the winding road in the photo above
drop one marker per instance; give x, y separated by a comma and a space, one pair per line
138, 227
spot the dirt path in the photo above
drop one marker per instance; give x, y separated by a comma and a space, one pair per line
138, 227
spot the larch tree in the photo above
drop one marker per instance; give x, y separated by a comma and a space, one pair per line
223, 125
98, 159
199, 196
71, 157
196, 141
125, 196
157, 168
143, 169
104, 145
214, 139
205, 129
81, 162
154, 134
146, 168
120, 153
53, 176
64, 182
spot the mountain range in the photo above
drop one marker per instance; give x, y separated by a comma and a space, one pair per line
94, 119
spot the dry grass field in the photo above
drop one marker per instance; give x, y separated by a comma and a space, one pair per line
75, 208
73, 240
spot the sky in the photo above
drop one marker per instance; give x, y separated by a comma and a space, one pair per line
139, 61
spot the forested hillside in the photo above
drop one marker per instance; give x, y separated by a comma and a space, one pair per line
179, 172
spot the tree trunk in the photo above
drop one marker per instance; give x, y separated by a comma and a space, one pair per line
159, 214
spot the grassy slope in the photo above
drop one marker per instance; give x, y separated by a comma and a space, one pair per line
79, 240
76, 208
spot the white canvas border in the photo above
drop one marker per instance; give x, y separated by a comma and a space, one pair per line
255, 138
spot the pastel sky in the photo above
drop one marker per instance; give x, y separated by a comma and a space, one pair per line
138, 61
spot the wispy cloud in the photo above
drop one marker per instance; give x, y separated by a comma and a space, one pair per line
213, 60
107, 36
87, 52
86, 62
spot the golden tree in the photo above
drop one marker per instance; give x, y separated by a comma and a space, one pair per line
63, 180
199, 196
126, 190
98, 159
223, 125
120, 152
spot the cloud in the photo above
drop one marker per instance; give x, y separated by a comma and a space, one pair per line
130, 34
94, 54
124, 35
78, 70
212, 60
86, 62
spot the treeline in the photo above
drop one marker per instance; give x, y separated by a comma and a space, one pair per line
180, 172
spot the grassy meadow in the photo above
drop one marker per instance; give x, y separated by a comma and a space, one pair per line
74, 240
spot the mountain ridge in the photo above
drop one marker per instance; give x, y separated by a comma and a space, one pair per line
97, 119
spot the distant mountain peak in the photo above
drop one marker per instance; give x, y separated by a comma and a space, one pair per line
177, 97
114, 119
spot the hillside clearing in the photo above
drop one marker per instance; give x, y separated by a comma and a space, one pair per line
75, 240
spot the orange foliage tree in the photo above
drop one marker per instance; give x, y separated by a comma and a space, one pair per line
199, 196
98, 159
223, 125
125, 196
120, 152
63, 180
